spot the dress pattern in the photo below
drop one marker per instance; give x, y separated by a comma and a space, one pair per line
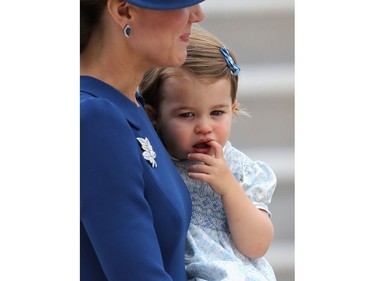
210, 252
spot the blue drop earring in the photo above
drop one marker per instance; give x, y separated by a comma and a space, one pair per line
127, 31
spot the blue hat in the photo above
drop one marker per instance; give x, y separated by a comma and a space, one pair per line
164, 4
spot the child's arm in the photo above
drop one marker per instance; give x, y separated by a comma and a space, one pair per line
251, 229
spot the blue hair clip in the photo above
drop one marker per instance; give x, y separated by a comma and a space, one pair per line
234, 68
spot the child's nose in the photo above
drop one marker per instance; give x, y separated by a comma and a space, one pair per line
203, 127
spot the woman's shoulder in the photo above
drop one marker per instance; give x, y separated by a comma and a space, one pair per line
101, 119
96, 111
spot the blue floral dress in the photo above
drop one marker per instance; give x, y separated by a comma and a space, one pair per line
210, 252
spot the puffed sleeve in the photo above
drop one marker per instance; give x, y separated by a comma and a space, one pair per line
259, 183
114, 212
256, 177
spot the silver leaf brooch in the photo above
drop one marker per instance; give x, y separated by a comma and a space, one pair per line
148, 153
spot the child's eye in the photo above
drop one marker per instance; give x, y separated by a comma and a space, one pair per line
217, 112
186, 114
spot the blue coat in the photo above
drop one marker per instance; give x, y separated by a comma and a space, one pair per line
134, 217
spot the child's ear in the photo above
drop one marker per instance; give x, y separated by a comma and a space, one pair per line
152, 115
234, 106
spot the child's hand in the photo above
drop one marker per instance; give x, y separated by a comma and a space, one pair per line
213, 169
250, 228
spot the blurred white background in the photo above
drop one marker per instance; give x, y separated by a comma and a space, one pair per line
261, 34
335, 113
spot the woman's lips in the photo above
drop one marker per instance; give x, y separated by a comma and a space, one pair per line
185, 38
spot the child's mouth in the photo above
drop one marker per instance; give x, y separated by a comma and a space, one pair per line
202, 147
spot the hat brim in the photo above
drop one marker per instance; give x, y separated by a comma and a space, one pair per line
164, 4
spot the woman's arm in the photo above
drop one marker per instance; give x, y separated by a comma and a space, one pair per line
114, 211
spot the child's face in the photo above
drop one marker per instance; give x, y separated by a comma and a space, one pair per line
193, 113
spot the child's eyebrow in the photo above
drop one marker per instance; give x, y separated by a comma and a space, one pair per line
221, 105
183, 107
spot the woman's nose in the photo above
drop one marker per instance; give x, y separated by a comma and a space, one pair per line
196, 13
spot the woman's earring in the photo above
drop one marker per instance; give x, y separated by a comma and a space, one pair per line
127, 31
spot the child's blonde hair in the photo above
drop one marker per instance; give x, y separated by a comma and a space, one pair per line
204, 60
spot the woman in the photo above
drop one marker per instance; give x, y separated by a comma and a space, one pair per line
135, 208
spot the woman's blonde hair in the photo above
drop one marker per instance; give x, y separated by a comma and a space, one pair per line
204, 60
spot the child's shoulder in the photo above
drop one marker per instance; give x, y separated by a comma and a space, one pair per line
234, 156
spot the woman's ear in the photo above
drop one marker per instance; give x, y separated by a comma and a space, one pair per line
124, 9
119, 10
153, 116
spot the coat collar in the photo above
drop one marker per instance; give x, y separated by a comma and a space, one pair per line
100, 89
